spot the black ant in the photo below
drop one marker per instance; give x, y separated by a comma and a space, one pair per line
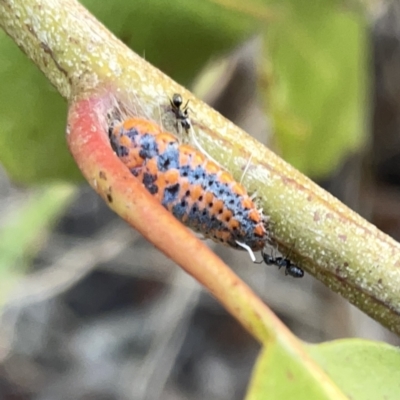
181, 114
290, 268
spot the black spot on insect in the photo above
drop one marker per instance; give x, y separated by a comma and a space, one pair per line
148, 181
149, 148
169, 159
135, 171
171, 194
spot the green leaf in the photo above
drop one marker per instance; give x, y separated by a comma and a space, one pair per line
25, 227
279, 374
365, 370
317, 56
362, 369
179, 36
33, 115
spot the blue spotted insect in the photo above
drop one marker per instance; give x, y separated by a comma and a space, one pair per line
195, 189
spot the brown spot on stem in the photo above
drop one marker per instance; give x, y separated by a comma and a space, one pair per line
102, 175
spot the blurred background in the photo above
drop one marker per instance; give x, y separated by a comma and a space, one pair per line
89, 309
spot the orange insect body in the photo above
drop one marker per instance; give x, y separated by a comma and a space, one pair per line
196, 190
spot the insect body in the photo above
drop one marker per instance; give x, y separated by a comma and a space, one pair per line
290, 268
196, 190
181, 113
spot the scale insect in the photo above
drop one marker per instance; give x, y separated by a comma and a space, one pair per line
193, 188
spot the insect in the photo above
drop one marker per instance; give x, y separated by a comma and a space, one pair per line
181, 114
193, 188
290, 268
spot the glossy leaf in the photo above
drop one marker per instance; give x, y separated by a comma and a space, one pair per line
279, 374
317, 58
365, 370
24, 228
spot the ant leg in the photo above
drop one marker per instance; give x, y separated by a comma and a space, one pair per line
262, 255
290, 252
185, 107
